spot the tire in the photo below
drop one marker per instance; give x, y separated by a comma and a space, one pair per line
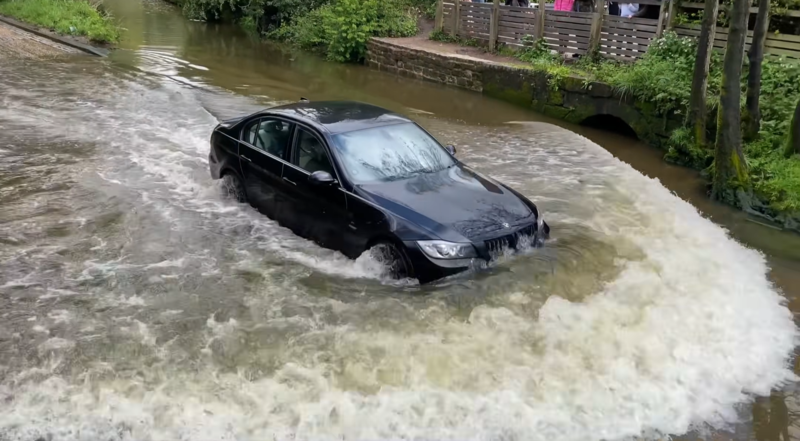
393, 258
233, 188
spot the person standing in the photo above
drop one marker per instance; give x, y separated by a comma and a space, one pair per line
628, 10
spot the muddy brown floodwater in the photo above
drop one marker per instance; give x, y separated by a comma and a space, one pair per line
136, 303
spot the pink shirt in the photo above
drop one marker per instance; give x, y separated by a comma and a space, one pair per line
563, 5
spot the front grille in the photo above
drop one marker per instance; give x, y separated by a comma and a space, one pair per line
512, 240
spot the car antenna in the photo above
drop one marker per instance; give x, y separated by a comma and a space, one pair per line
304, 100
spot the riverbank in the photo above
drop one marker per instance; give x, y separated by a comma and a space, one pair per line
74, 18
578, 95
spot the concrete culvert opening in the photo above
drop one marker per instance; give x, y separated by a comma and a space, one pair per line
610, 123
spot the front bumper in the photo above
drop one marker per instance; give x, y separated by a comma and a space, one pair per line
528, 236
428, 269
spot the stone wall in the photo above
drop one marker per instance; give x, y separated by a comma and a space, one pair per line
457, 71
574, 100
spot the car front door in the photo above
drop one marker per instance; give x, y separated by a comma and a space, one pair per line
317, 212
264, 146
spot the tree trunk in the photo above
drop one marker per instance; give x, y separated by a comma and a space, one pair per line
793, 138
756, 56
697, 107
729, 162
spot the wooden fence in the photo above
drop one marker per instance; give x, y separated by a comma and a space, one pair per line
564, 32
568, 32
776, 44
626, 38
581, 32
514, 23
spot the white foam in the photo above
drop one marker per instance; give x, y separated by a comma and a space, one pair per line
56, 344
40, 329
60, 316
678, 338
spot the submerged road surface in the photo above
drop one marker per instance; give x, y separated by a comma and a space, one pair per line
136, 303
16, 43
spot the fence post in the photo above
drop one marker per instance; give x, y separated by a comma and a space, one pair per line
670, 14
661, 16
540, 20
597, 26
439, 20
456, 17
494, 22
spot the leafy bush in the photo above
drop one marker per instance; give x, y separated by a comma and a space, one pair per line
341, 29
775, 179
76, 17
780, 89
536, 50
663, 76
426, 8
542, 58
257, 15
682, 150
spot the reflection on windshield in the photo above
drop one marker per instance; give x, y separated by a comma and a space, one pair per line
390, 152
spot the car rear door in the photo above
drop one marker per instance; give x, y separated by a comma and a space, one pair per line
264, 146
317, 212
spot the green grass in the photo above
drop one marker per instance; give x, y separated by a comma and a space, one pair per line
69, 17
777, 180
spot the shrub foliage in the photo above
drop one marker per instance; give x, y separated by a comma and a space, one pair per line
339, 28
663, 78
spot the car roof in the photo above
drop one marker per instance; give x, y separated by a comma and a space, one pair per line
338, 116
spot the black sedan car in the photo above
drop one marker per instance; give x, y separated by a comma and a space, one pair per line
354, 177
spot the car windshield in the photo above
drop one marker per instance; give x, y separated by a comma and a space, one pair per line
389, 153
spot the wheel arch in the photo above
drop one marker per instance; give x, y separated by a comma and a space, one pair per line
398, 244
227, 169
383, 237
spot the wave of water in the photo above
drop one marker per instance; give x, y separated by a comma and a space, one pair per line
139, 304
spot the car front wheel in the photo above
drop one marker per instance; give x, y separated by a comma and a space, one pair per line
232, 187
394, 260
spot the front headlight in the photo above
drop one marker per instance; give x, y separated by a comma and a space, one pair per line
440, 249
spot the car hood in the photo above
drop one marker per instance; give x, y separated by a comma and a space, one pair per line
454, 204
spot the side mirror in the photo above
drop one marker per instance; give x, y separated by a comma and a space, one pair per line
451, 149
321, 178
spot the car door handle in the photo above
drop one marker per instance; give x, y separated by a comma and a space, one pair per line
289, 180
246, 158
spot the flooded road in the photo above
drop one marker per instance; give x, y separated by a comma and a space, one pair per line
139, 304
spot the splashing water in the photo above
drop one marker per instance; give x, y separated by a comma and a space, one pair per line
137, 303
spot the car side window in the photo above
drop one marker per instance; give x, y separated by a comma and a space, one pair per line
309, 153
273, 137
250, 132
269, 135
